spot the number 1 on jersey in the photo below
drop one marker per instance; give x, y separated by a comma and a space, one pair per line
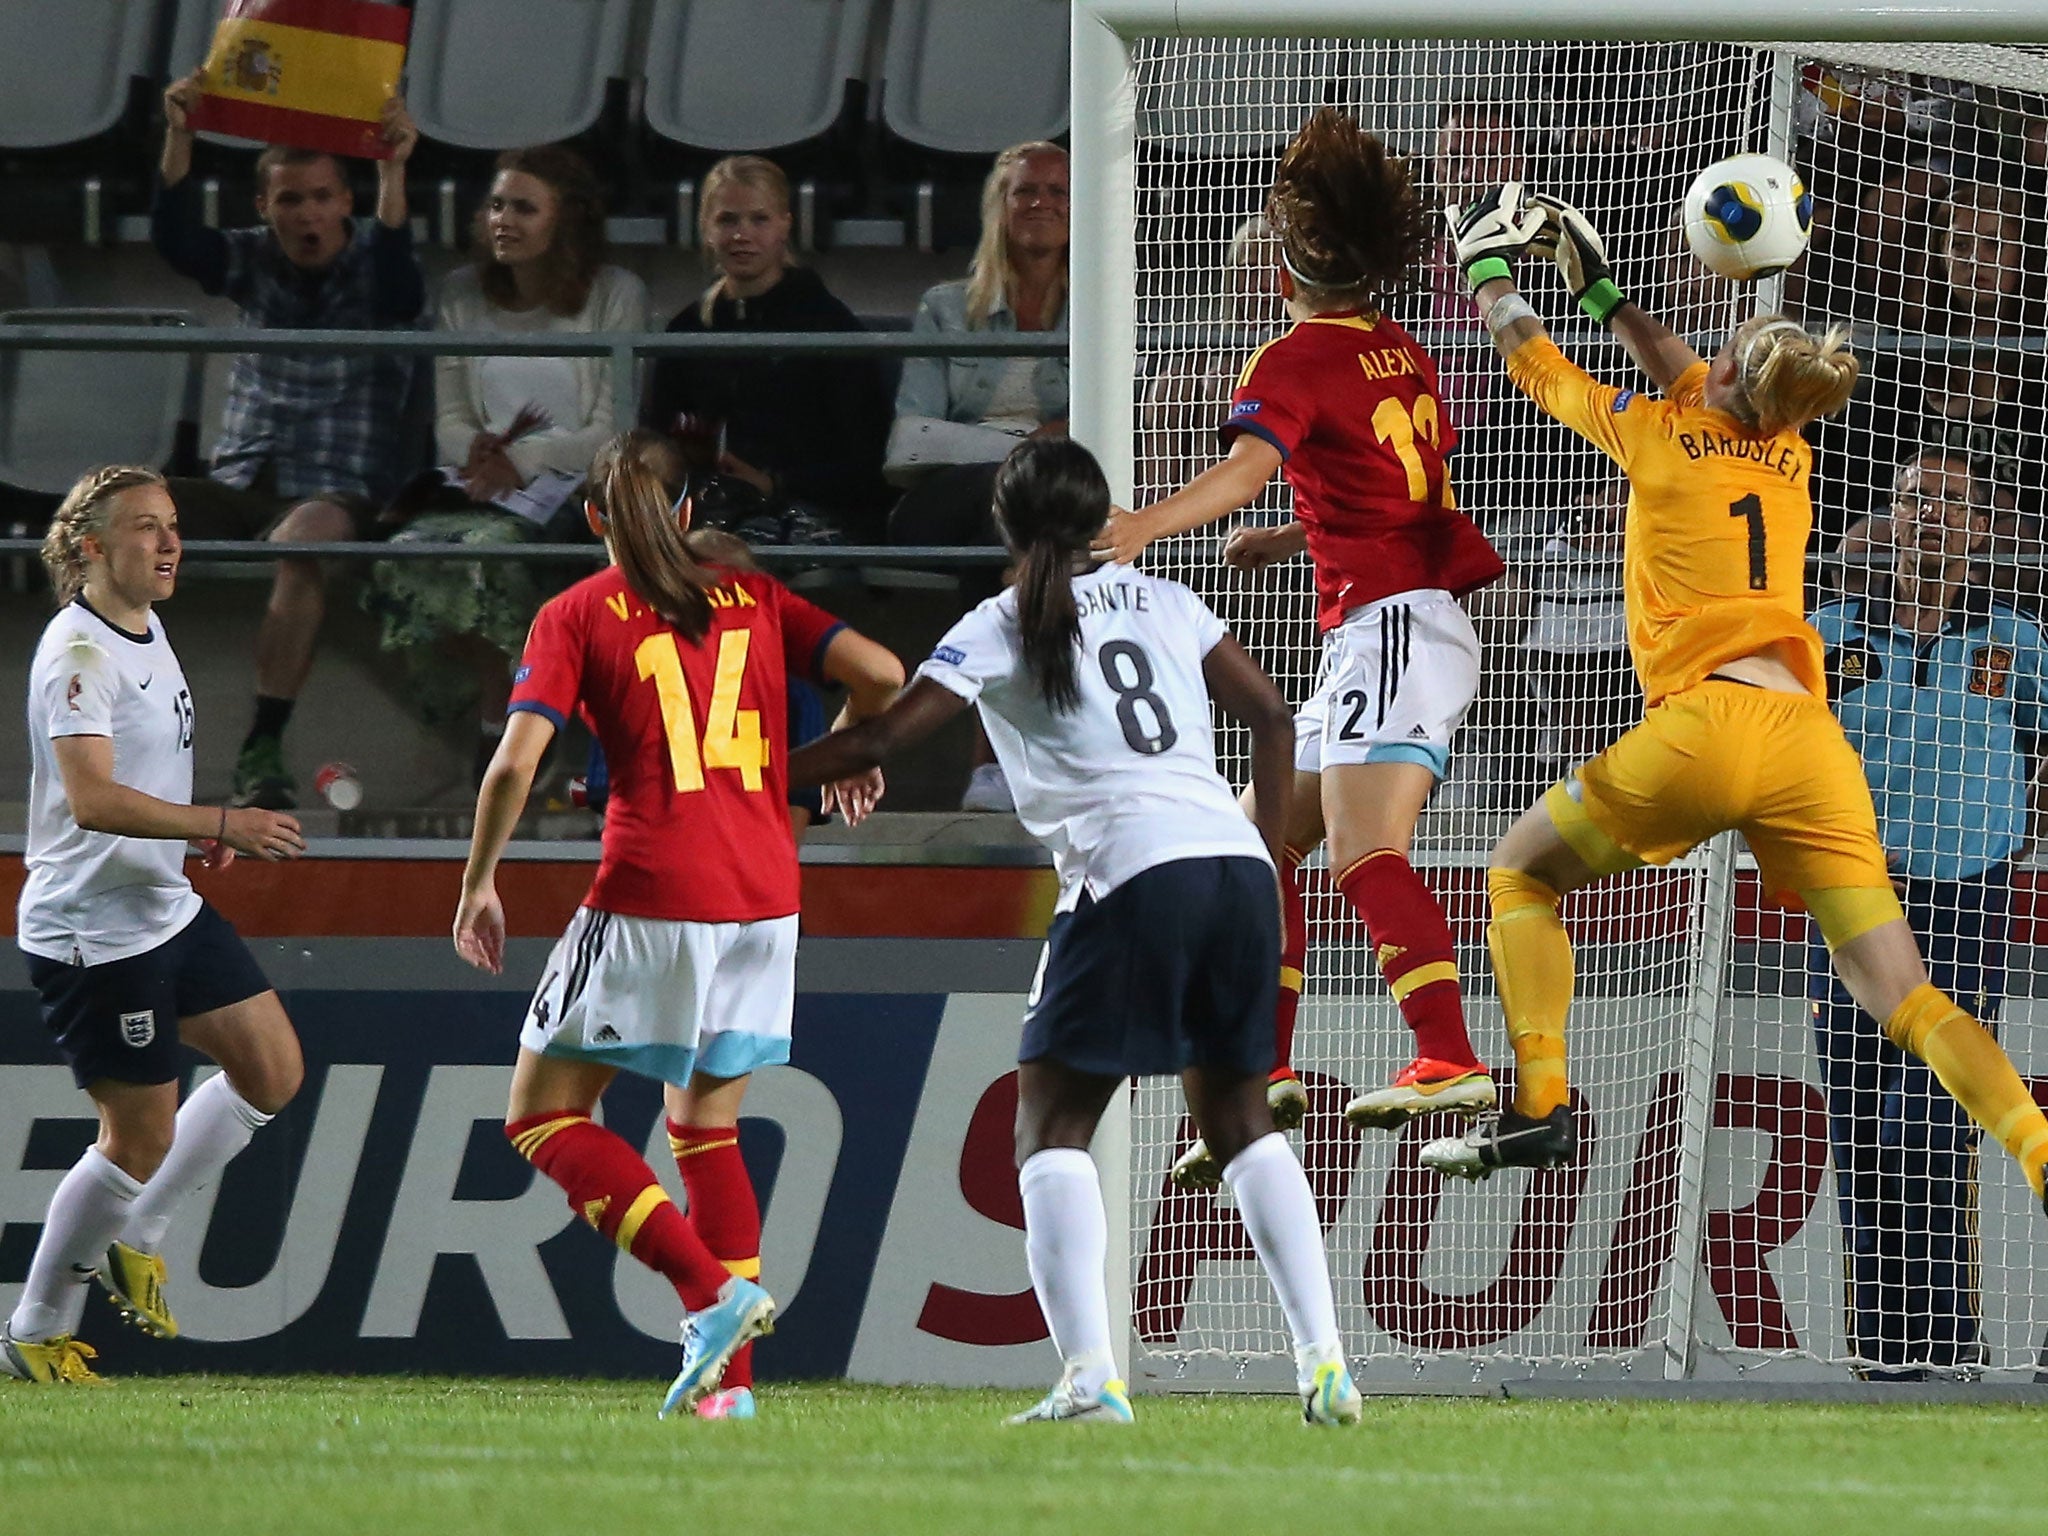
1751, 507
1395, 425
732, 736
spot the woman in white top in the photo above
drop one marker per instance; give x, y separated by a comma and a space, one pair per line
1094, 683
126, 958
515, 435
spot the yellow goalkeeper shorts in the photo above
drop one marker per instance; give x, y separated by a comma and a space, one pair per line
1773, 766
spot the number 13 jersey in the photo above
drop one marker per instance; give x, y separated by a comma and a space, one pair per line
1127, 780
1714, 556
696, 828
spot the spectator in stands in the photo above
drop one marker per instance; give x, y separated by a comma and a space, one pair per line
515, 435
797, 449
1940, 687
310, 444
957, 417
1190, 394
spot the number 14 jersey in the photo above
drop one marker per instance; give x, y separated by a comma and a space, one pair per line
696, 828
1127, 780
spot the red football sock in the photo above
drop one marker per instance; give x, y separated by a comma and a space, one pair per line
723, 1210
610, 1186
1293, 960
1413, 944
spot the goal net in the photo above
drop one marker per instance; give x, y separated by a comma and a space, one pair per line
1762, 1184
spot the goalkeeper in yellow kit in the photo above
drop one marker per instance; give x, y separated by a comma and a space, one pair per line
1737, 733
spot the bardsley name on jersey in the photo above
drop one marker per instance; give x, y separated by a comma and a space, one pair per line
1778, 457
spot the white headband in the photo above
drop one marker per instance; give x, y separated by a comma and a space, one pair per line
1302, 277
1749, 347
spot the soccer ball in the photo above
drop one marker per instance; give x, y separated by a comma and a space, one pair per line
1748, 216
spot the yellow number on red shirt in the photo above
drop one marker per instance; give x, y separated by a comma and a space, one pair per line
732, 736
1393, 425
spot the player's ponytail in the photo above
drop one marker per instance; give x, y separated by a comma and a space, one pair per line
1785, 378
1050, 501
639, 517
1346, 214
84, 511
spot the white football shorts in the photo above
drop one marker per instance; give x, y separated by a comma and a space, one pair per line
1397, 678
667, 999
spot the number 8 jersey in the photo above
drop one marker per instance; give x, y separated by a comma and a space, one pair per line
1714, 554
695, 829
1127, 780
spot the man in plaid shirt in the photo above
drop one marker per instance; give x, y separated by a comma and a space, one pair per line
311, 444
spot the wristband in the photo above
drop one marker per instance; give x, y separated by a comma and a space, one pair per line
1503, 313
1601, 301
1486, 269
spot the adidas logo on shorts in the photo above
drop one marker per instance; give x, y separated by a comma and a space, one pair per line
606, 1035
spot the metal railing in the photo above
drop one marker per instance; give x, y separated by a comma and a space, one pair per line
626, 349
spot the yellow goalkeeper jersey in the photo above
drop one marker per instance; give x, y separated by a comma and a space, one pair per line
1714, 555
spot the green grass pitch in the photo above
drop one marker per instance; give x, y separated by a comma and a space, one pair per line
383, 1457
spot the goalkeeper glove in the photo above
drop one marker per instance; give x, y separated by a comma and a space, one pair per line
1495, 226
1581, 257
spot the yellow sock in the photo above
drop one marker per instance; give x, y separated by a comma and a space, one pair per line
1977, 1074
1532, 965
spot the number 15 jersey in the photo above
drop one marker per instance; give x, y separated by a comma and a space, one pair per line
1127, 780
695, 829
1714, 555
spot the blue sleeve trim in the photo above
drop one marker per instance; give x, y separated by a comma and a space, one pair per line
535, 707
1232, 427
818, 653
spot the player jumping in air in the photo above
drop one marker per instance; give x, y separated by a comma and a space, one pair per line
681, 963
1738, 733
1346, 406
1094, 682
130, 962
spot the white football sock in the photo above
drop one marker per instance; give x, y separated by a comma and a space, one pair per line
1279, 1213
215, 1123
87, 1213
1066, 1242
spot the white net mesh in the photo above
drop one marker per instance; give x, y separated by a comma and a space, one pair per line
1896, 1250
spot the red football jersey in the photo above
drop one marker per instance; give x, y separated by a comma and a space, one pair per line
1351, 402
697, 828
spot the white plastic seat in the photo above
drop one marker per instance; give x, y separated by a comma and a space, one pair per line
500, 74
973, 77
62, 413
65, 68
731, 75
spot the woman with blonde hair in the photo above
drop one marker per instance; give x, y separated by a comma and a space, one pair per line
129, 962
1738, 734
957, 418
795, 442
1017, 282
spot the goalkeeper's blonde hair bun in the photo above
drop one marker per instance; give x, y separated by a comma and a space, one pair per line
1786, 377
1345, 210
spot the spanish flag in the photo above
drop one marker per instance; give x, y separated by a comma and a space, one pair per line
314, 74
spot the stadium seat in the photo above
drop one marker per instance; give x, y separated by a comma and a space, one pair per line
972, 77
498, 74
61, 413
707, 61
65, 70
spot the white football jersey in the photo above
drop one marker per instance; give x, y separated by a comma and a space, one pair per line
91, 897
1127, 780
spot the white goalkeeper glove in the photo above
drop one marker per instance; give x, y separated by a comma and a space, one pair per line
1491, 229
1581, 257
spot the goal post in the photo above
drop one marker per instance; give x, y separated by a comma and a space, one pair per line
1713, 1225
